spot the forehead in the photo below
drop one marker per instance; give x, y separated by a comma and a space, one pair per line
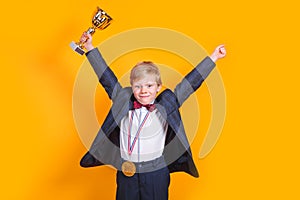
145, 80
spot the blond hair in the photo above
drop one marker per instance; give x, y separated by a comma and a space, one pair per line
143, 69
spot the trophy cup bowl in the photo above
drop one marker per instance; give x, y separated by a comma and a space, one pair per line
100, 20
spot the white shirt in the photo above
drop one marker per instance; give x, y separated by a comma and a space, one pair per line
151, 141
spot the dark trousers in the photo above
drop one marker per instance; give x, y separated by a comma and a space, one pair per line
144, 186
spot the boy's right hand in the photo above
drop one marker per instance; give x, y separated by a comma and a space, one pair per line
86, 39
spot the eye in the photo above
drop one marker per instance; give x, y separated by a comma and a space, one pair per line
137, 87
149, 85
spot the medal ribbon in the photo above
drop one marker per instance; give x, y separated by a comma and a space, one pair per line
131, 146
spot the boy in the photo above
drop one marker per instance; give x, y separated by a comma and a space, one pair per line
143, 135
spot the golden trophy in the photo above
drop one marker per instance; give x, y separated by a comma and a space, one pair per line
100, 20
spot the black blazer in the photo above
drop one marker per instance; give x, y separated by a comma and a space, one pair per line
105, 149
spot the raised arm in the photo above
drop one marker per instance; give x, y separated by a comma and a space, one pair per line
193, 80
105, 75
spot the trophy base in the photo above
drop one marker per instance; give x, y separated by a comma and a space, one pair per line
77, 48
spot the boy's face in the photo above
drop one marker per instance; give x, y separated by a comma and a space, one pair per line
145, 90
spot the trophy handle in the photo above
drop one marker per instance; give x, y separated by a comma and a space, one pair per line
105, 24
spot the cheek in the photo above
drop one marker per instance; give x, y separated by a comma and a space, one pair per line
134, 90
155, 90
135, 93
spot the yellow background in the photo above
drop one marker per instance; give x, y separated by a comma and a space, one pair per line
257, 155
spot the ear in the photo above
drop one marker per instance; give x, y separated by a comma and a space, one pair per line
158, 88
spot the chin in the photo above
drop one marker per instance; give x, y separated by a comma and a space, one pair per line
144, 101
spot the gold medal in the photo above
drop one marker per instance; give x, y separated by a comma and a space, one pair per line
128, 168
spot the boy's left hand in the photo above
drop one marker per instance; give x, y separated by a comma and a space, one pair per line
220, 52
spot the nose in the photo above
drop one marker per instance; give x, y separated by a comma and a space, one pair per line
143, 89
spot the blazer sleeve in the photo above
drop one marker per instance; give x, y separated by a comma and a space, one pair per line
105, 75
193, 80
